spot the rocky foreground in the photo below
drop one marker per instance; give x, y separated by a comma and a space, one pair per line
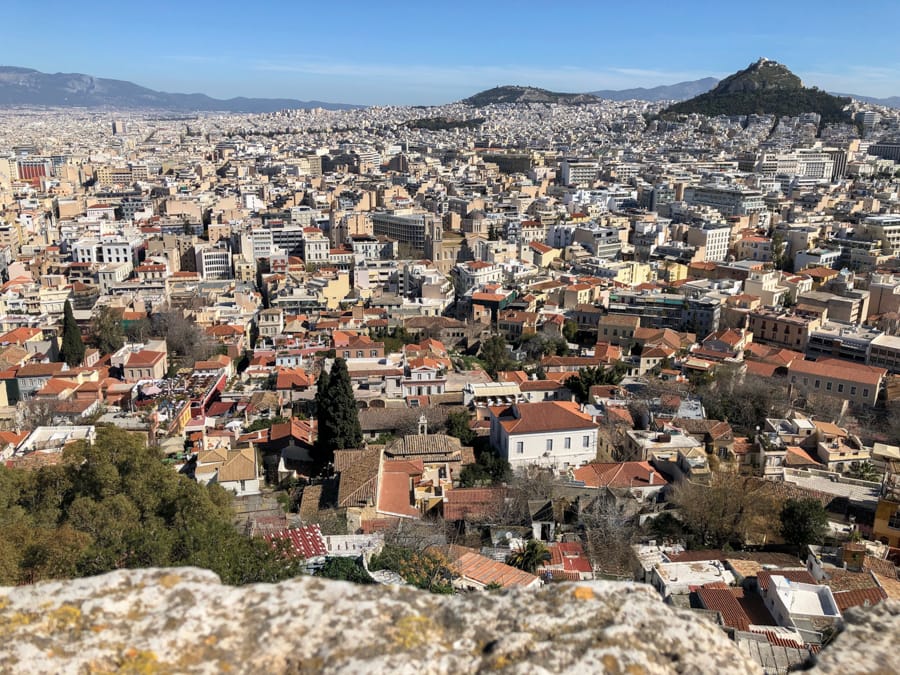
184, 620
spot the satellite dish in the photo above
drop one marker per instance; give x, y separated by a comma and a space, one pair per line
508, 536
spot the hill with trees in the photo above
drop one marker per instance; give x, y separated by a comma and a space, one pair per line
517, 94
763, 88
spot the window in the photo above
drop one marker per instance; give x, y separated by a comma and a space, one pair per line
568, 443
865, 393
520, 447
549, 444
828, 386
853, 391
894, 520
586, 441
840, 388
817, 384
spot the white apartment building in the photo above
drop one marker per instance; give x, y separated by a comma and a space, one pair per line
573, 172
476, 274
213, 262
714, 237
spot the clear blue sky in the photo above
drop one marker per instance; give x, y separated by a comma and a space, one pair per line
436, 52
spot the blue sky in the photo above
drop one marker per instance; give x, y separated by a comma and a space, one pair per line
436, 52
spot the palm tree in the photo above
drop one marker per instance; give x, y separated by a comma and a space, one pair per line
530, 556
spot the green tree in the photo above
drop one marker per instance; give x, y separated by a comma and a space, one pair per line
803, 522
114, 504
495, 356
864, 471
345, 569
429, 570
72, 349
458, 426
530, 557
580, 384
570, 330
138, 330
488, 469
337, 414
106, 327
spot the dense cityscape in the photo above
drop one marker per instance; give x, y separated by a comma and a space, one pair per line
514, 341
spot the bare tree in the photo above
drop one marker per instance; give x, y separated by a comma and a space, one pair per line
609, 532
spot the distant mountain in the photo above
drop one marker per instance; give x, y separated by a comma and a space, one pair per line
763, 88
665, 92
24, 86
517, 94
889, 102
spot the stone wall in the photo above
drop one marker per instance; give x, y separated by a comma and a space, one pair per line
184, 620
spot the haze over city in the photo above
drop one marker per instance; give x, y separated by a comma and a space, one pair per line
433, 53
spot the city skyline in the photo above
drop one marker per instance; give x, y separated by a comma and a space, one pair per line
422, 55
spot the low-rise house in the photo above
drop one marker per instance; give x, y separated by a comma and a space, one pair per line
146, 365
475, 572
568, 562
554, 434
640, 479
807, 607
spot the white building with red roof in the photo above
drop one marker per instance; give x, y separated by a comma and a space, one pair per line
554, 434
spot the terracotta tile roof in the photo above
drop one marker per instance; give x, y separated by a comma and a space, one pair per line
884, 568
240, 465
394, 489
144, 358
836, 368
358, 479
619, 475
858, 598
542, 417
301, 542
569, 556
890, 586
723, 601
797, 456
846, 580
483, 570
472, 503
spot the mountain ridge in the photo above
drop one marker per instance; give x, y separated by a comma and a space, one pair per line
27, 86
664, 92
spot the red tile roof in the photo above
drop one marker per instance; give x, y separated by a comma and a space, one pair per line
619, 475
301, 542
542, 417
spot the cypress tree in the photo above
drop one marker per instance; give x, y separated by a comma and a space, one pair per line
72, 349
336, 413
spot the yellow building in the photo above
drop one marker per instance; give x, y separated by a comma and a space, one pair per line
887, 514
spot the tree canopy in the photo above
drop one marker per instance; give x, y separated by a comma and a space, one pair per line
803, 522
495, 356
72, 348
580, 384
336, 412
106, 327
114, 504
730, 510
530, 556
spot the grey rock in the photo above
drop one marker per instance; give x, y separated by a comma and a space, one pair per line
186, 621
868, 643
